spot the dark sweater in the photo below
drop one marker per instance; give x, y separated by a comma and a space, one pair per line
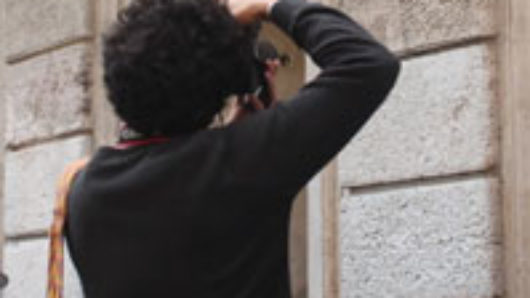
207, 215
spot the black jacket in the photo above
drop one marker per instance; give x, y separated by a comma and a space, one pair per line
207, 215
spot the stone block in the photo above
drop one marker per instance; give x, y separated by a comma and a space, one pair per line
441, 119
30, 181
26, 262
47, 95
430, 241
34, 25
441, 21
413, 24
380, 17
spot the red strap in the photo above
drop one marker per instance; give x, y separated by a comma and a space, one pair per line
142, 142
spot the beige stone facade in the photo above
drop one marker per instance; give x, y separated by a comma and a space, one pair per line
420, 210
418, 193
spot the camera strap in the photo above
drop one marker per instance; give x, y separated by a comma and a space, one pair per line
56, 234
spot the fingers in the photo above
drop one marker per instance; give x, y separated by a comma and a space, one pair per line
249, 11
273, 65
256, 103
270, 76
246, 105
251, 103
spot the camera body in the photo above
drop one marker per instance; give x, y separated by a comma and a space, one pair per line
263, 52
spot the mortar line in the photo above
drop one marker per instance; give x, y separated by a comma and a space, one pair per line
47, 140
24, 56
3, 122
441, 47
28, 236
91, 71
418, 182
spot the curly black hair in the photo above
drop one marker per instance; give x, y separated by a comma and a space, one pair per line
170, 64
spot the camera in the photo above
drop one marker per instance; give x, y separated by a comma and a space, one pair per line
264, 51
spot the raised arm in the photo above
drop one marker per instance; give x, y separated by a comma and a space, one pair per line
285, 146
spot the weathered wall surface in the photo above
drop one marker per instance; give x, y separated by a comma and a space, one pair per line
420, 212
46, 55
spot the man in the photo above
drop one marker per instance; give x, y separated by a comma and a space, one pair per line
180, 210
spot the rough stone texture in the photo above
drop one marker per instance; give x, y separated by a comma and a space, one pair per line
26, 264
430, 241
31, 177
47, 95
411, 24
439, 21
380, 17
439, 120
34, 25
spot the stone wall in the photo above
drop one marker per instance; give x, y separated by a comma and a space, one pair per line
46, 52
420, 209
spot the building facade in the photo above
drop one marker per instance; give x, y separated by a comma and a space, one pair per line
428, 200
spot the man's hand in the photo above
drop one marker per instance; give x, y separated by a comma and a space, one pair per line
249, 104
250, 11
